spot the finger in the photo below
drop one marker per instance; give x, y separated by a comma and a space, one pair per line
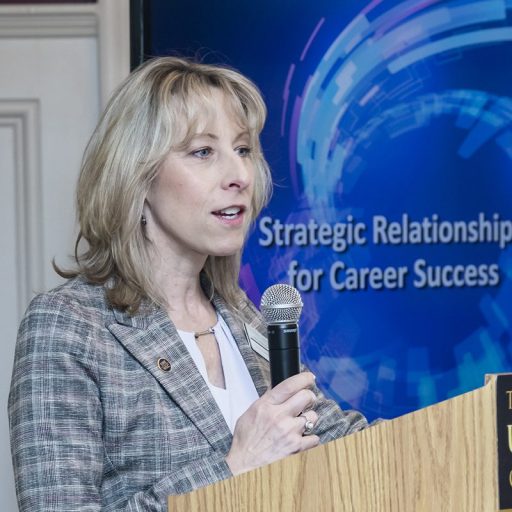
309, 442
298, 403
307, 422
311, 406
289, 387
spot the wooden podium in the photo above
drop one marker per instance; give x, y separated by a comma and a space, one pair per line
441, 458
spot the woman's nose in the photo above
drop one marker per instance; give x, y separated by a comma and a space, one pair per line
239, 172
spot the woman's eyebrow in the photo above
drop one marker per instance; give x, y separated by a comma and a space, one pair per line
204, 135
192, 139
243, 134
213, 136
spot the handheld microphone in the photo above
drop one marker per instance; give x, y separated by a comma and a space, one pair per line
281, 306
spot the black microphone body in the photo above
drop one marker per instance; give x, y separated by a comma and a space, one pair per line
283, 351
281, 306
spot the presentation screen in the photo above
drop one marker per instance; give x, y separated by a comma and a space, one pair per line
389, 139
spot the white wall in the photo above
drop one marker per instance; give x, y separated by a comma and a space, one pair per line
57, 66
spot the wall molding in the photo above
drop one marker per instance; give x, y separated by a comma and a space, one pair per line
23, 118
49, 21
114, 45
106, 20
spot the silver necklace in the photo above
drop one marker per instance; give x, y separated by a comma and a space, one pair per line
210, 330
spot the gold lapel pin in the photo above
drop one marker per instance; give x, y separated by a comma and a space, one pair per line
163, 364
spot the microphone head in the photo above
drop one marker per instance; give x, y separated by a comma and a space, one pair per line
281, 303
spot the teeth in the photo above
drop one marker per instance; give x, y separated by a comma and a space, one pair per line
232, 210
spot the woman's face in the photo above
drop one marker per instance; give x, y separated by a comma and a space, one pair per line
199, 203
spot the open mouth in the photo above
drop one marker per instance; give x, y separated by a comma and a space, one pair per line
231, 212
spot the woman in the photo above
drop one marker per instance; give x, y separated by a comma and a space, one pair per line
134, 380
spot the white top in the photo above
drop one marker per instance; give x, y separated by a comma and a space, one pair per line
240, 391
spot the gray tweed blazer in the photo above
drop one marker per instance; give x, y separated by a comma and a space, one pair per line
98, 424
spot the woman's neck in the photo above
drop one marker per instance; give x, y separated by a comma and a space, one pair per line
191, 310
186, 303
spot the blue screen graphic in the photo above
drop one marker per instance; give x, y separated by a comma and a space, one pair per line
389, 136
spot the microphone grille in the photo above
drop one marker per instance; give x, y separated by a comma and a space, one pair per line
281, 303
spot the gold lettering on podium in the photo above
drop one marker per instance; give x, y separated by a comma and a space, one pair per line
509, 393
510, 479
509, 427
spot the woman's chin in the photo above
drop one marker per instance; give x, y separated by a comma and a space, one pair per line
226, 250
224, 254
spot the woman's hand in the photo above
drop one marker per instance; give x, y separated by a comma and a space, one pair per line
273, 427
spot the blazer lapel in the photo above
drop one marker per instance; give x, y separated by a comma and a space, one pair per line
151, 338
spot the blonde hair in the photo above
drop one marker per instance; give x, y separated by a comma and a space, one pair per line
153, 110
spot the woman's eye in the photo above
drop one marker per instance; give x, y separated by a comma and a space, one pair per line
202, 152
243, 150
